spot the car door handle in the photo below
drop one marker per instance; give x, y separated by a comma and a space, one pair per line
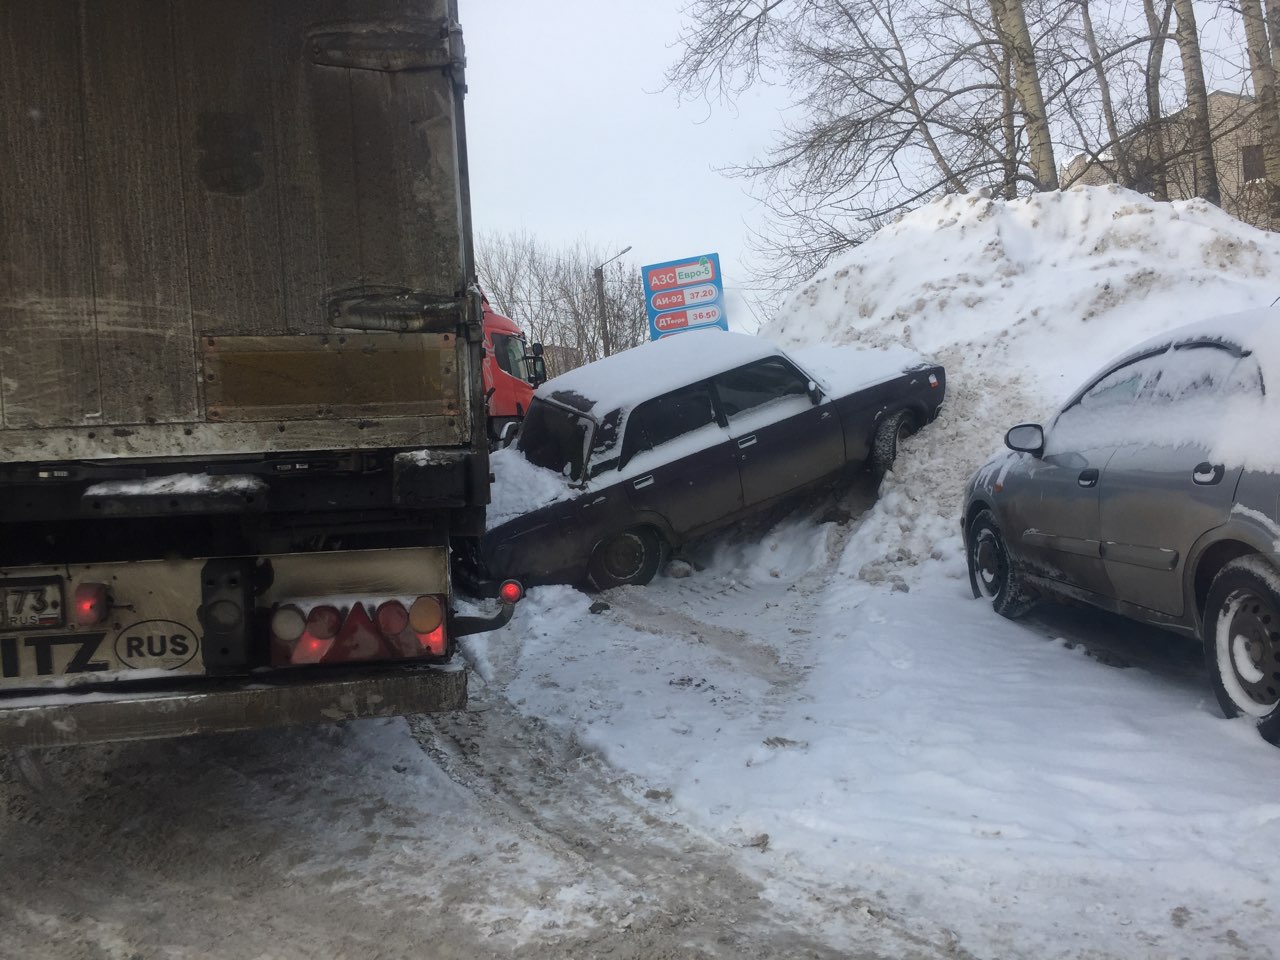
749, 441
1207, 474
1088, 478
642, 482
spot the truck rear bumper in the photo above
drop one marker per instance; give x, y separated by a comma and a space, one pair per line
69, 719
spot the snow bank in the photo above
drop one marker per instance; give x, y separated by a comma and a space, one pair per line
1021, 301
1050, 287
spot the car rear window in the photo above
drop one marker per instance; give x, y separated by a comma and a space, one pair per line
555, 439
672, 415
759, 383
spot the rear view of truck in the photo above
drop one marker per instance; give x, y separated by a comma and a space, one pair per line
241, 414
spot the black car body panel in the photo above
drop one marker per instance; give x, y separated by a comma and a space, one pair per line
751, 426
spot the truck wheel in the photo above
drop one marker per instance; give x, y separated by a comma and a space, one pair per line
1241, 633
995, 571
884, 448
631, 557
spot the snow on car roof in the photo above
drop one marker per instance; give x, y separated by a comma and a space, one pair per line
633, 376
1255, 331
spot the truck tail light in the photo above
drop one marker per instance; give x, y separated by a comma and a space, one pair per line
511, 591
426, 615
92, 604
433, 643
324, 622
328, 634
288, 623
392, 618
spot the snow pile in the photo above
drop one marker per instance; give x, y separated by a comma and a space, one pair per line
519, 487
1050, 287
1021, 301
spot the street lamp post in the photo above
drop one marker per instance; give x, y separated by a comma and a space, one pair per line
606, 344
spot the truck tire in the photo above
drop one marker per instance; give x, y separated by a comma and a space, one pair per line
1241, 633
884, 447
631, 557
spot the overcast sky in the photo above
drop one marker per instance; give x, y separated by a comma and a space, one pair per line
572, 136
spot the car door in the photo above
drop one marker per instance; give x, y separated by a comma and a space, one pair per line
1053, 504
679, 461
783, 439
1163, 488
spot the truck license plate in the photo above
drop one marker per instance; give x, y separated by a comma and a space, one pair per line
31, 603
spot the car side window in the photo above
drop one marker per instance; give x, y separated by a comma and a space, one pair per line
669, 416
1200, 372
759, 383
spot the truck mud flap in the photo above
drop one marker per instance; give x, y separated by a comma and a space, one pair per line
67, 719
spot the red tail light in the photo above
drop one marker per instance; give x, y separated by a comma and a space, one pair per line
511, 591
433, 643
324, 622
328, 634
92, 604
392, 618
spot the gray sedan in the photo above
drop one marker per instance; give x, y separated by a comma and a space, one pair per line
1155, 493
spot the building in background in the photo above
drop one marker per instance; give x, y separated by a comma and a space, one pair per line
1237, 154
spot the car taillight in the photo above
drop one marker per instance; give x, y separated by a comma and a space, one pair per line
92, 604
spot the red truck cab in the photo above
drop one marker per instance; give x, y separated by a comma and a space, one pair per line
511, 370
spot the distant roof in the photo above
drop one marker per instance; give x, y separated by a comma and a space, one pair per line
633, 376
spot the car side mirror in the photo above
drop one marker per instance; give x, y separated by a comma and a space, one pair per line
508, 433
1026, 438
815, 392
537, 369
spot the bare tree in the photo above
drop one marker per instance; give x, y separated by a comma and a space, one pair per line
1200, 133
551, 293
1263, 73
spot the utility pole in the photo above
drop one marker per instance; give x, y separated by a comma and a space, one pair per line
606, 341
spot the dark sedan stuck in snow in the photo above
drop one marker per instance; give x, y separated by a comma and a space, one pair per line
1155, 493
621, 460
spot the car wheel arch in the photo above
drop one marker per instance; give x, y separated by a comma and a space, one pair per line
1210, 558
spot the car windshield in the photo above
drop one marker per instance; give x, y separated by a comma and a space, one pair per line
556, 439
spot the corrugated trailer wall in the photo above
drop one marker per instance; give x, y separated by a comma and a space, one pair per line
179, 180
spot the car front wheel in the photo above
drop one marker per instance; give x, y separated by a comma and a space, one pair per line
630, 557
892, 430
995, 571
1241, 633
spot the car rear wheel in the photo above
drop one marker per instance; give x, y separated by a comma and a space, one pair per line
996, 572
630, 557
1241, 633
892, 430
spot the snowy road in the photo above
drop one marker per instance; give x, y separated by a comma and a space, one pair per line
688, 773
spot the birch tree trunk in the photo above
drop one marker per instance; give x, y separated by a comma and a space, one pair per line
1201, 139
1157, 27
1011, 22
1263, 72
1119, 149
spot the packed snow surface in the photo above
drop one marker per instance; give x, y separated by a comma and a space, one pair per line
828, 697
177, 484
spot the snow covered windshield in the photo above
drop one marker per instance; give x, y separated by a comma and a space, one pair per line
555, 439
